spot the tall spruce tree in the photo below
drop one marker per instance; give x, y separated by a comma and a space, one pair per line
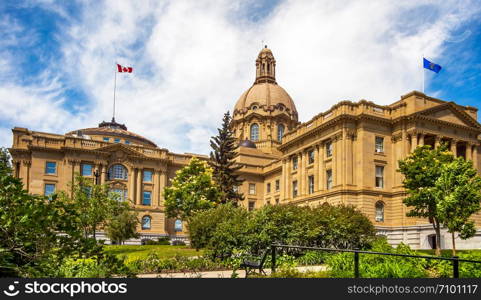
223, 164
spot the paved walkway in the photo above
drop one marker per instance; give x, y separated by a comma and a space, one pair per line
220, 274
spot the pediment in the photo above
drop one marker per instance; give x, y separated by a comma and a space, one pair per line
120, 151
450, 113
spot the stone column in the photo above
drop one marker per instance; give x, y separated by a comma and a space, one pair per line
302, 174
320, 174
156, 190
132, 185
475, 157
453, 147
469, 151
421, 139
283, 180
139, 186
414, 141
162, 185
103, 173
349, 161
316, 168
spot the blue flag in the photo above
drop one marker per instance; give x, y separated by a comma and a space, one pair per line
431, 66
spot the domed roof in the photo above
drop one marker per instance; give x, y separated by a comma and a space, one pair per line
265, 94
113, 129
247, 143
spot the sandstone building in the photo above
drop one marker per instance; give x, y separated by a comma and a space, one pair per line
347, 154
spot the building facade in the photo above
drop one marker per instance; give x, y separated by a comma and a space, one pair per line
347, 155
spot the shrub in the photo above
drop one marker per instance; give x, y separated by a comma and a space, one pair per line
444, 268
227, 230
159, 241
379, 266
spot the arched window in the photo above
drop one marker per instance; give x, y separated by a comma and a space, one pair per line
254, 132
118, 172
379, 211
280, 132
145, 222
178, 225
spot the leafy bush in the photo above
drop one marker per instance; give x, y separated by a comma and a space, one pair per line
226, 230
379, 266
101, 267
444, 268
154, 264
160, 241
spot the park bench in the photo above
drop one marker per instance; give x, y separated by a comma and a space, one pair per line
251, 265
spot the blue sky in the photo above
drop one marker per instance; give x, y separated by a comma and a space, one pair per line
193, 59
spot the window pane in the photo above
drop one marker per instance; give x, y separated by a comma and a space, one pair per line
86, 170
329, 179
117, 140
379, 212
328, 149
252, 205
146, 199
278, 185
49, 189
121, 194
106, 139
252, 188
311, 156
379, 144
118, 172
127, 142
294, 188
268, 187
280, 132
146, 222
311, 184
50, 167
178, 225
148, 176
294, 163
254, 132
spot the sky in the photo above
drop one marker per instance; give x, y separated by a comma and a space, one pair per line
193, 59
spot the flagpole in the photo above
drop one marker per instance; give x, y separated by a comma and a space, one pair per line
422, 68
115, 87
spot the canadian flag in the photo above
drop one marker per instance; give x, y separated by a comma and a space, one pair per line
122, 69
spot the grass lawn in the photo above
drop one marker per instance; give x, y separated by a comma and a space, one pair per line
133, 252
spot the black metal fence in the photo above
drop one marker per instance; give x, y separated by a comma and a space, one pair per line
455, 259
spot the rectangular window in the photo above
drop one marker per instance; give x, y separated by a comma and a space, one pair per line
252, 188
268, 187
379, 176
311, 156
329, 149
120, 193
278, 185
147, 176
252, 205
311, 184
294, 163
116, 140
146, 199
127, 142
106, 139
294, 188
329, 179
51, 167
49, 189
379, 144
86, 169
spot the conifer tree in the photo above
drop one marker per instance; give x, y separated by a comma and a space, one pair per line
223, 164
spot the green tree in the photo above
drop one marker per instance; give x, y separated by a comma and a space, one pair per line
421, 170
122, 224
5, 162
192, 190
94, 203
458, 195
30, 243
223, 164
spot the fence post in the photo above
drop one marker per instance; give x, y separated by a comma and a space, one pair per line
455, 267
356, 264
273, 258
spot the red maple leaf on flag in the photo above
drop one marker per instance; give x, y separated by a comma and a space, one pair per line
122, 69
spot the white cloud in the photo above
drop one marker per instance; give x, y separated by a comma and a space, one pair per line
193, 59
